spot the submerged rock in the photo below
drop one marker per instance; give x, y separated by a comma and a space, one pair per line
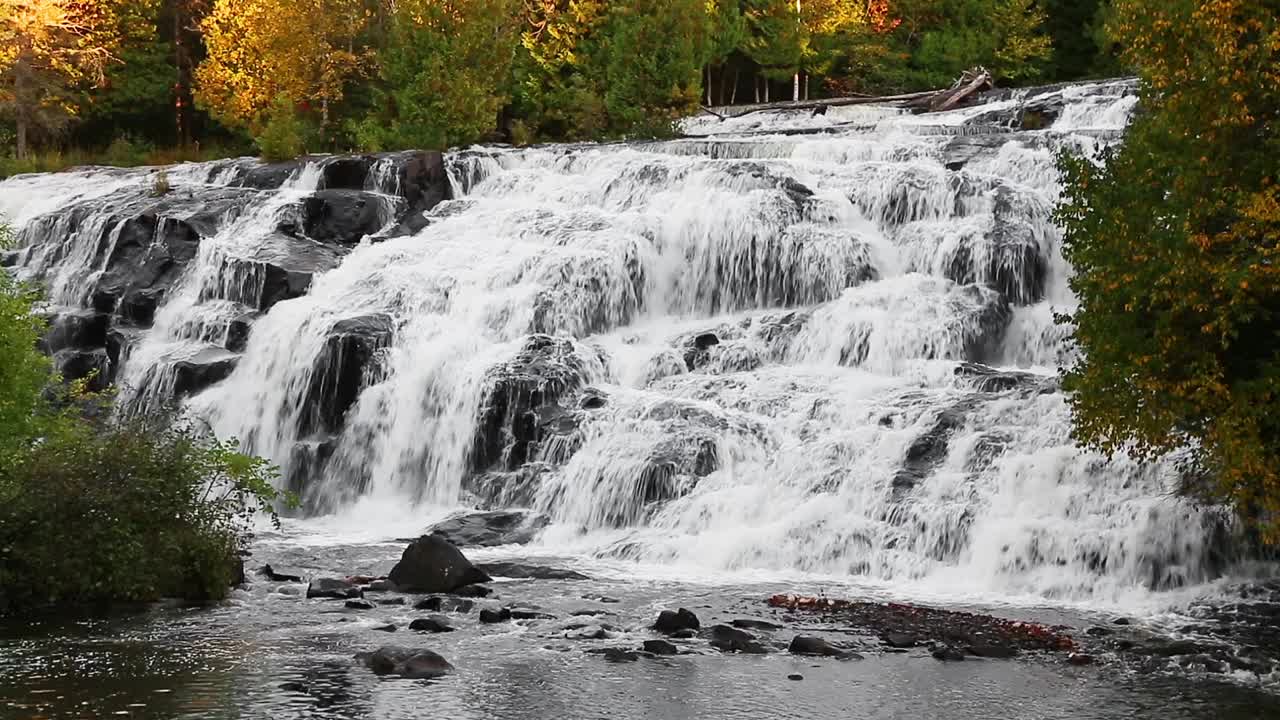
808, 645
445, 604
413, 663
660, 647
433, 565
731, 639
333, 588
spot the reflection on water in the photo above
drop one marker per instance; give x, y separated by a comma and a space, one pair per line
271, 654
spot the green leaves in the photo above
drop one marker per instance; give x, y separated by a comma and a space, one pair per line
1173, 241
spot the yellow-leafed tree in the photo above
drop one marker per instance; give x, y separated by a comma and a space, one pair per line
263, 52
48, 49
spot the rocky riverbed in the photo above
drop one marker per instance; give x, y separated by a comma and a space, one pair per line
549, 636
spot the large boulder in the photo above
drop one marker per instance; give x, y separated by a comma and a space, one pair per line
730, 639
432, 564
333, 588
79, 329
489, 529
413, 663
670, 622
279, 268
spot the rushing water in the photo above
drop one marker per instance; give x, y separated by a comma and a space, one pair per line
876, 408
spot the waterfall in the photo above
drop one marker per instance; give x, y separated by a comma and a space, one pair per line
822, 343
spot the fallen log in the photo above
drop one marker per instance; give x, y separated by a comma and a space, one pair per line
970, 83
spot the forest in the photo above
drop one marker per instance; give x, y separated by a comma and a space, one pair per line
126, 82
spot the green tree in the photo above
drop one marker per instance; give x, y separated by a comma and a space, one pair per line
655, 52
1175, 241
444, 74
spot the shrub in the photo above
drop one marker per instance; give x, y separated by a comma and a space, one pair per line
130, 512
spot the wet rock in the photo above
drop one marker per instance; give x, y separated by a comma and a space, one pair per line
618, 655
947, 654
490, 616
518, 393
333, 588
991, 380
81, 329
385, 628
432, 565
391, 601
753, 624
308, 461
660, 647
808, 645
360, 605
1079, 659
795, 676
493, 528
685, 634
899, 640
474, 591
344, 217
202, 370
148, 257
730, 639
269, 573
586, 632
433, 624
93, 366
524, 614
1098, 631
238, 328
446, 604
383, 585
1122, 621
339, 372
670, 622
414, 663
995, 652
422, 180
531, 572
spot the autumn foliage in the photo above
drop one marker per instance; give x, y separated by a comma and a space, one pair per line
1176, 241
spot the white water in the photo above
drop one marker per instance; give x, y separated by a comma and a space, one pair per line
863, 230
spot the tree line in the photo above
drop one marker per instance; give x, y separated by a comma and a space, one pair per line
291, 76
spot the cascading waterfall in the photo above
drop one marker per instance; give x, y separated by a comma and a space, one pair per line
826, 351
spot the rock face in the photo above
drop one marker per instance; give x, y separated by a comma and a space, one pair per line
413, 663
120, 256
432, 565
339, 372
488, 529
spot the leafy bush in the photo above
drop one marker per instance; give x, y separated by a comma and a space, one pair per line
128, 512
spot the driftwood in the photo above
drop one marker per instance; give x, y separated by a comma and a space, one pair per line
971, 82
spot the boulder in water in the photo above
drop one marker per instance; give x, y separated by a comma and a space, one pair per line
80, 329
433, 624
673, 621
432, 564
490, 616
809, 645
660, 647
488, 529
730, 639
333, 588
414, 663
445, 604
